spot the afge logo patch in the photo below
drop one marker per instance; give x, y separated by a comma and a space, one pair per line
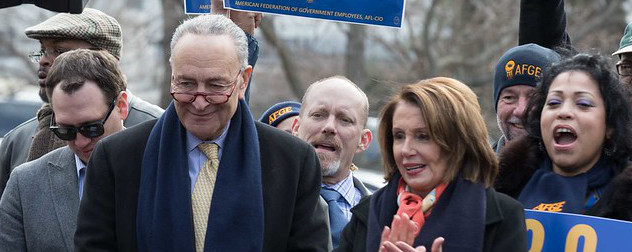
509, 68
278, 113
514, 69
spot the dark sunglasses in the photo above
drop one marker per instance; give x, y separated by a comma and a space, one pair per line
90, 130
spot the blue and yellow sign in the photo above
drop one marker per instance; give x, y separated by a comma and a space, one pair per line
550, 231
372, 12
197, 6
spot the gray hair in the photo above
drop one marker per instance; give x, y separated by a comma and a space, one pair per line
214, 25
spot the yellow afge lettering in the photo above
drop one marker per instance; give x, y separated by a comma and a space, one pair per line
538, 235
525, 69
550, 207
278, 113
579, 230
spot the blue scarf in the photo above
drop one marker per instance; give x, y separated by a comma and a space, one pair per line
458, 216
548, 191
164, 220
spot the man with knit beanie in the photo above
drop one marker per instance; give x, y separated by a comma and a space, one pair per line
92, 29
516, 75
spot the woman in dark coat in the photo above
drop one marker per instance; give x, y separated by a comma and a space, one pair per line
575, 157
439, 167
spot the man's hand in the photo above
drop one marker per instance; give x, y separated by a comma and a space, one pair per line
247, 21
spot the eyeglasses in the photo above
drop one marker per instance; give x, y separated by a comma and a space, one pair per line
91, 130
624, 69
184, 91
51, 53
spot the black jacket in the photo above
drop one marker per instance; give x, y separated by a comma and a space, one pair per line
293, 220
504, 225
543, 22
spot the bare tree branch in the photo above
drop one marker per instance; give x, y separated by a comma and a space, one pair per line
287, 61
595, 21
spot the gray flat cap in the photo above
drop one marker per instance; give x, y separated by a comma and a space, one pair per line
92, 26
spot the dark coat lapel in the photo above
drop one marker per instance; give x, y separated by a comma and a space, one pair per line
64, 192
462, 205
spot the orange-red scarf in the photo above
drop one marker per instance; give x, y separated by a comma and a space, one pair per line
414, 206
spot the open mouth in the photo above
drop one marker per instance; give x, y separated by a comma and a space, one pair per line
415, 167
325, 147
564, 136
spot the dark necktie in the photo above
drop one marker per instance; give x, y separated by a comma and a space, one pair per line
337, 219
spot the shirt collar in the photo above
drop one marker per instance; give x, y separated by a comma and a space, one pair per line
193, 141
344, 187
79, 164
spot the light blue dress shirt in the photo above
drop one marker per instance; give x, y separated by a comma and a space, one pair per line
351, 194
197, 157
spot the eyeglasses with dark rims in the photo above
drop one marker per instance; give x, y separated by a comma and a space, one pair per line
184, 91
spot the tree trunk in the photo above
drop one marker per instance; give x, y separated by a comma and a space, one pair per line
354, 56
173, 13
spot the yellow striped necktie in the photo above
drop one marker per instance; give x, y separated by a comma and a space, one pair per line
203, 193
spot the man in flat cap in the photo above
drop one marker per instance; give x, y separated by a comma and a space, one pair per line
63, 32
281, 115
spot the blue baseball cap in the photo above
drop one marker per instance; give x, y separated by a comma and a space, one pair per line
279, 112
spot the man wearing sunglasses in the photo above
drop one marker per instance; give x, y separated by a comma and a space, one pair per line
38, 209
205, 176
61, 33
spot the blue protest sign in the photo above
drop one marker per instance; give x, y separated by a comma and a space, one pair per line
197, 6
373, 12
550, 231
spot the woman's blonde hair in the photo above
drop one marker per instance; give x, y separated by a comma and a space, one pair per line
454, 121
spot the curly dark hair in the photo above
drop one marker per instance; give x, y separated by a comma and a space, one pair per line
617, 103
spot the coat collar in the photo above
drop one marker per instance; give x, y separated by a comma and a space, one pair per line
64, 191
358, 184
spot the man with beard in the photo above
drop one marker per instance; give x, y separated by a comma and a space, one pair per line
64, 32
516, 75
333, 120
